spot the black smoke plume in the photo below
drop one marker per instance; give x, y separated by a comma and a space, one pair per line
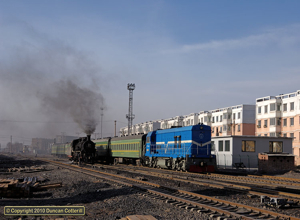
82, 104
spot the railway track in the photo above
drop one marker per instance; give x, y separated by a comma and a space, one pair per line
259, 179
259, 191
207, 206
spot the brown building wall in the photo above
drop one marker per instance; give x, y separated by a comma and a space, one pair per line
273, 163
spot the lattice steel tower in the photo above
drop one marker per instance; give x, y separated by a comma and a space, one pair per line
130, 116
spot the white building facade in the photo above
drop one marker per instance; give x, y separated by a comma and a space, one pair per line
243, 150
279, 116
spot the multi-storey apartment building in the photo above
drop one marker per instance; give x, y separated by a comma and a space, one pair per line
279, 116
234, 120
191, 119
171, 122
142, 128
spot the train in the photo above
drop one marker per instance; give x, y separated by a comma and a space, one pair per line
81, 149
180, 148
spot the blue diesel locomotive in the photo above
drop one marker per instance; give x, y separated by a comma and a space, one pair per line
184, 148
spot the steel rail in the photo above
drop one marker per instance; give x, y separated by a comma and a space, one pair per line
250, 189
232, 178
219, 201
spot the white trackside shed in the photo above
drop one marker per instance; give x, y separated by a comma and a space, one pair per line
242, 151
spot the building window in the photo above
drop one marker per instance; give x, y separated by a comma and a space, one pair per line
217, 118
284, 135
227, 145
212, 129
221, 118
228, 127
221, 129
233, 115
205, 118
259, 110
284, 107
272, 107
224, 127
201, 120
248, 146
239, 115
275, 146
239, 127
266, 135
265, 123
220, 145
278, 107
284, 122
292, 121
213, 146
292, 106
259, 123
272, 121
213, 120
278, 122
228, 116
224, 116
292, 135
266, 109
272, 134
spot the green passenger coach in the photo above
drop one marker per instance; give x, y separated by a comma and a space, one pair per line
102, 149
127, 149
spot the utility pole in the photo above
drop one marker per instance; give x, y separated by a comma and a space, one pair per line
101, 120
130, 116
115, 128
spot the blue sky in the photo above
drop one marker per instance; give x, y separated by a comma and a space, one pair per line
184, 56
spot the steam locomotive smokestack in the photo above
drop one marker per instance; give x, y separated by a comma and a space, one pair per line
89, 137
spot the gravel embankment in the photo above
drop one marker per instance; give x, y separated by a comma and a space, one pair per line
102, 199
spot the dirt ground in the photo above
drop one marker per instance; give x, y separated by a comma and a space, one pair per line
101, 199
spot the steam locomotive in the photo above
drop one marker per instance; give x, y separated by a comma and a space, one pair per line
82, 149
185, 148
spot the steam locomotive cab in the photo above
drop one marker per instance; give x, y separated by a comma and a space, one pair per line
83, 149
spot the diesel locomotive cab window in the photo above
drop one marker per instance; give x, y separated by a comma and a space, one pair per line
179, 142
275, 146
248, 146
